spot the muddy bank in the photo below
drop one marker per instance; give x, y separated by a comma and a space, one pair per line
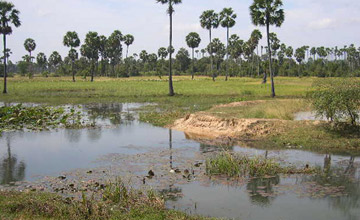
211, 127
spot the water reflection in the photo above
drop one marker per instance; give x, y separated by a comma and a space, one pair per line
261, 190
11, 170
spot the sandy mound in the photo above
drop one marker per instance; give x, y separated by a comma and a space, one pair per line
208, 126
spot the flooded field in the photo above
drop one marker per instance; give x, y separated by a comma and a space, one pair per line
68, 160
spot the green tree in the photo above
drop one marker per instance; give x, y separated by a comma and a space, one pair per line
218, 49
114, 49
55, 60
162, 53
90, 50
266, 13
210, 20
71, 39
103, 54
193, 41
41, 61
183, 59
8, 16
227, 20
170, 11
30, 46
128, 40
235, 46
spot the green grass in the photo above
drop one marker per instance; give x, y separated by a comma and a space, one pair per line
271, 109
191, 95
238, 165
117, 202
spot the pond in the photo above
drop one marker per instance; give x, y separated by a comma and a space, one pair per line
123, 146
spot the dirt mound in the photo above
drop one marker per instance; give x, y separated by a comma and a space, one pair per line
240, 104
207, 126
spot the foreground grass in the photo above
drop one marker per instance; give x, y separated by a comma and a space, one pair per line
116, 202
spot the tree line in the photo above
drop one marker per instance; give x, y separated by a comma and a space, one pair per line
106, 56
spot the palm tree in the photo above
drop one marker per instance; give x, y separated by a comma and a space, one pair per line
30, 46
55, 59
90, 50
128, 40
266, 13
170, 11
227, 18
113, 49
193, 40
209, 20
41, 61
71, 39
102, 53
8, 16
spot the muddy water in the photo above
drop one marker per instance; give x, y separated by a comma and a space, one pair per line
124, 146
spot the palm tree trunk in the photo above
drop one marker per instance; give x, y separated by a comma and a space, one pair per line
72, 70
30, 69
270, 61
5, 73
171, 88
211, 58
192, 76
127, 50
92, 71
227, 53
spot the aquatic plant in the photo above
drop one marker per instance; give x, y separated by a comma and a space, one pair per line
236, 165
19, 117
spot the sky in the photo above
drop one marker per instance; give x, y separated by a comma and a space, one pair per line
307, 22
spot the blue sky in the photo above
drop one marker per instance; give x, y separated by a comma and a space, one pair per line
308, 22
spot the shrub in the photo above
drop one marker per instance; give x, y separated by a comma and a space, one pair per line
337, 99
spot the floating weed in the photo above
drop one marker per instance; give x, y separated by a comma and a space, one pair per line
19, 117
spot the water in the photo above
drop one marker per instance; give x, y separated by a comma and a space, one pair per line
123, 142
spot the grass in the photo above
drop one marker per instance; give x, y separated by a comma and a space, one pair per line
236, 165
271, 109
117, 202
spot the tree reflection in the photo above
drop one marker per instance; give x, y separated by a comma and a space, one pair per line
73, 135
11, 170
261, 190
205, 148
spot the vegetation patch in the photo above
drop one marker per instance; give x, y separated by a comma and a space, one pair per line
238, 165
19, 117
117, 202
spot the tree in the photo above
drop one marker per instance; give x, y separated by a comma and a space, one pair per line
183, 59
55, 60
266, 13
193, 40
289, 52
8, 16
128, 40
300, 56
144, 56
218, 49
41, 61
170, 11
313, 52
102, 52
235, 46
227, 18
114, 49
30, 46
209, 20
71, 39
90, 50
252, 44
162, 53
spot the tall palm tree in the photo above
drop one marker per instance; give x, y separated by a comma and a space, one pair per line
227, 20
71, 39
8, 16
41, 61
30, 46
193, 40
170, 11
266, 13
128, 40
209, 20
90, 50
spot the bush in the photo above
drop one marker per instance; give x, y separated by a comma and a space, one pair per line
337, 99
